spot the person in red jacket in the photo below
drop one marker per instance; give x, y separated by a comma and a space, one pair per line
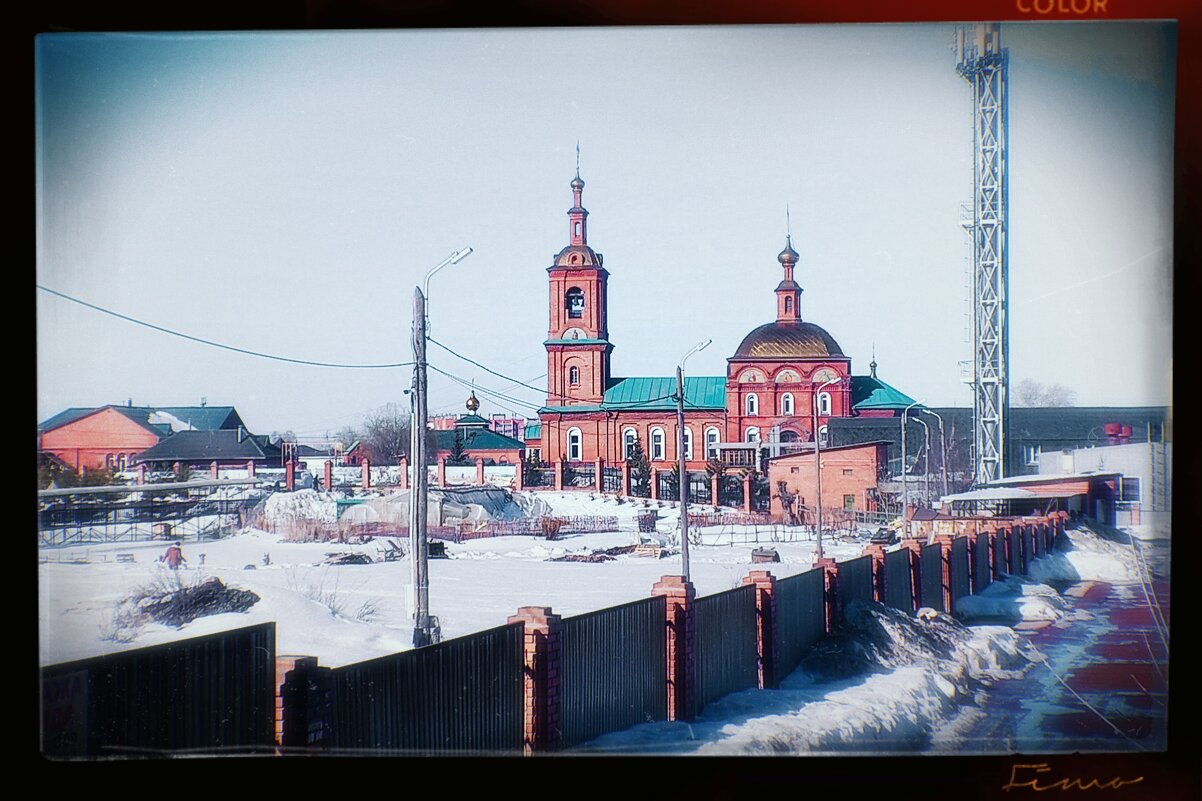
174, 556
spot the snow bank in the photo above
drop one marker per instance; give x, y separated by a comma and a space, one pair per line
1091, 558
300, 505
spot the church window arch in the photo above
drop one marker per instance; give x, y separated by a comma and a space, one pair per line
658, 450
574, 376
786, 404
822, 437
752, 404
752, 435
688, 443
786, 377
750, 377
629, 438
788, 305
712, 437
824, 403
575, 445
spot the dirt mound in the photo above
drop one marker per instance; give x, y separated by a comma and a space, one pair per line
183, 605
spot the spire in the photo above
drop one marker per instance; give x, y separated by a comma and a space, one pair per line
872, 364
788, 293
472, 403
577, 225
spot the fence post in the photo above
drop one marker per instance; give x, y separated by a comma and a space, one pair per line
915, 549
559, 468
682, 645
541, 682
290, 476
655, 483
306, 705
714, 482
747, 493
519, 475
944, 542
365, 473
403, 482
479, 471
626, 479
441, 475
830, 584
877, 552
250, 468
767, 636
599, 474
328, 476
213, 470
142, 474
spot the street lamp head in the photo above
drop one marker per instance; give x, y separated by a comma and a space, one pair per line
700, 346
454, 258
460, 255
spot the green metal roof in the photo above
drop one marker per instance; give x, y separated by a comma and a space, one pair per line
203, 418
576, 342
870, 392
471, 420
533, 431
477, 439
655, 394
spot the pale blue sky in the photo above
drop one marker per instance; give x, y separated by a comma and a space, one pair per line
284, 193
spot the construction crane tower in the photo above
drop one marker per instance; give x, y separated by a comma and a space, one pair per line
982, 61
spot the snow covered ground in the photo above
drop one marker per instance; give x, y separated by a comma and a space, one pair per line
918, 686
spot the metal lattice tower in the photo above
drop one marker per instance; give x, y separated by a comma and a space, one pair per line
981, 60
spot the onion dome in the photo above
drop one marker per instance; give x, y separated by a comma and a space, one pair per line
788, 340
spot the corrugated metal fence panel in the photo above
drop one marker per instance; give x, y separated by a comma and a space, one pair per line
1014, 546
899, 580
612, 665
1028, 547
800, 616
981, 577
931, 567
461, 695
855, 581
958, 578
206, 694
1000, 567
727, 658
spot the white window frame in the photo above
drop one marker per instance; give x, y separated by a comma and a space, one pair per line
711, 445
752, 434
575, 449
574, 376
751, 405
824, 403
786, 404
823, 437
659, 450
629, 437
688, 444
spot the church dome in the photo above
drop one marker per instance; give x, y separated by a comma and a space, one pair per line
788, 340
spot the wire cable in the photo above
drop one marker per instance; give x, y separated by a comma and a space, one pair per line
233, 348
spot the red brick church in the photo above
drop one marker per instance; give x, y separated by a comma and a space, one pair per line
766, 396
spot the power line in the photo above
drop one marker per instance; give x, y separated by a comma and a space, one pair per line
233, 348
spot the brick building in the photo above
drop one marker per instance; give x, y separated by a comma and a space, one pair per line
780, 375
849, 477
477, 440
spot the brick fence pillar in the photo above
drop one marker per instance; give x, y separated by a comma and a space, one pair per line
877, 552
830, 583
599, 474
479, 471
714, 487
290, 476
213, 470
441, 475
655, 483
403, 482
559, 468
682, 646
519, 475
176, 468
365, 474
250, 469
141, 474
747, 493
767, 635
327, 482
915, 549
541, 682
626, 479
305, 704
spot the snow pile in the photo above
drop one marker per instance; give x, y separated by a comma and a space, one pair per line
284, 507
1090, 558
1012, 599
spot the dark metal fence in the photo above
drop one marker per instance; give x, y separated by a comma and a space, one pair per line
981, 577
1028, 548
730, 491
1000, 566
855, 582
800, 616
611, 480
699, 488
958, 573
761, 494
612, 668
931, 568
1014, 552
580, 474
1037, 542
210, 694
727, 659
539, 477
899, 580
668, 488
462, 695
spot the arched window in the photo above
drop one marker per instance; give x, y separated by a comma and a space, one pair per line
824, 403
688, 443
788, 305
752, 435
574, 302
574, 376
786, 404
712, 437
822, 436
658, 453
121, 461
108, 461
575, 445
629, 438
753, 404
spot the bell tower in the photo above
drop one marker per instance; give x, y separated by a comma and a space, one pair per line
578, 346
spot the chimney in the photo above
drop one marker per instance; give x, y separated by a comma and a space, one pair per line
130, 403
203, 401
240, 434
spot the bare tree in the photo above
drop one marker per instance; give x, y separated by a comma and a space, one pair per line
1059, 395
1032, 393
1029, 392
385, 434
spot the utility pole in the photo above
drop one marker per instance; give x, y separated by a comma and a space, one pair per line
682, 471
422, 634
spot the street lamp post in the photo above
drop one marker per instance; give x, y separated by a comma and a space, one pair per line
905, 485
926, 460
818, 462
942, 447
423, 632
683, 476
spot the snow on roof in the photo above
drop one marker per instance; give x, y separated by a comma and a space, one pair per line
165, 418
